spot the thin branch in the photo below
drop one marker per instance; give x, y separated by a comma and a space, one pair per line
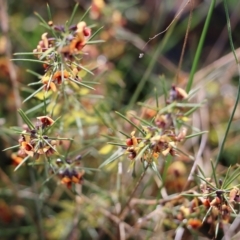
174, 19
185, 40
125, 209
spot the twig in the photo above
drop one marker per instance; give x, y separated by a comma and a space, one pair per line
174, 19
109, 215
229, 234
125, 209
185, 40
74, 229
179, 233
172, 197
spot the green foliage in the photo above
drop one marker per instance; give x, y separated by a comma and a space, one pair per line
106, 143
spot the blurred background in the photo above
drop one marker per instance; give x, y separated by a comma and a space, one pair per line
31, 208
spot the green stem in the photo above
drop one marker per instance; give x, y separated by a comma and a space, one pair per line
37, 204
126, 207
238, 93
200, 46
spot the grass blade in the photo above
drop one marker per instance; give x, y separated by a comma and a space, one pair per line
200, 46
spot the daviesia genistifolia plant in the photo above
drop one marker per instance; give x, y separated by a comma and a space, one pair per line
145, 150
60, 87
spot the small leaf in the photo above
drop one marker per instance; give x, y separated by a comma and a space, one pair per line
44, 23
26, 119
33, 94
214, 175
95, 41
196, 134
28, 60
155, 170
112, 158
140, 154
84, 13
95, 33
208, 212
81, 84
49, 12
21, 163
12, 147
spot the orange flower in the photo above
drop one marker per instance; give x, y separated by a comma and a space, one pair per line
49, 85
161, 121
177, 93
77, 178
77, 44
59, 75
45, 40
79, 41
46, 121
16, 159
69, 176
28, 148
194, 223
67, 181
181, 93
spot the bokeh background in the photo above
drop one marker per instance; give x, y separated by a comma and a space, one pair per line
33, 209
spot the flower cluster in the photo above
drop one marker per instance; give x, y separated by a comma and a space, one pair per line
34, 142
69, 171
62, 54
219, 202
211, 207
156, 143
60, 51
161, 138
